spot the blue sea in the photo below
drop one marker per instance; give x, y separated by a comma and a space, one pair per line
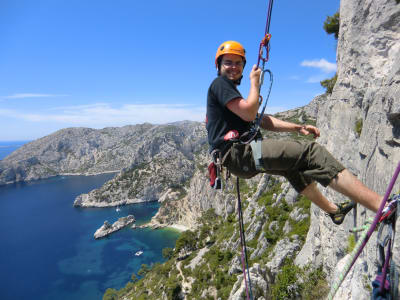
47, 249
7, 147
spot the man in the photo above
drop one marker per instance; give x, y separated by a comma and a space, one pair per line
302, 164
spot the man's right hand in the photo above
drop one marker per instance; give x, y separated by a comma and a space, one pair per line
255, 74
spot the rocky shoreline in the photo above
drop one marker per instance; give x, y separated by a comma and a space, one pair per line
84, 201
106, 229
153, 225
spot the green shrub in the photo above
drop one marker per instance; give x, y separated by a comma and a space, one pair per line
351, 243
300, 228
358, 127
328, 84
286, 277
266, 198
187, 241
143, 270
314, 285
167, 253
308, 282
110, 294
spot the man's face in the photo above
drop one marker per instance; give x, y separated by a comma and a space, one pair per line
232, 66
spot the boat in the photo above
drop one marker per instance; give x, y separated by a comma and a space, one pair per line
139, 253
117, 209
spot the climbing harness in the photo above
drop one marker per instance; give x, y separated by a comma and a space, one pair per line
367, 231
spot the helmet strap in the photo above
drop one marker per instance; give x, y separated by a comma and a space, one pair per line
238, 81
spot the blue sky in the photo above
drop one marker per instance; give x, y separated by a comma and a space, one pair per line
112, 63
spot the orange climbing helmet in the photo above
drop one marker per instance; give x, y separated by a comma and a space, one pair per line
230, 47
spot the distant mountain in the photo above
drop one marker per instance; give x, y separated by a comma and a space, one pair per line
76, 151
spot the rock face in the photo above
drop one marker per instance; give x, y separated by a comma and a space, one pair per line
368, 91
106, 229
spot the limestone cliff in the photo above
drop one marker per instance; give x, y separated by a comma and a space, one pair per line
367, 91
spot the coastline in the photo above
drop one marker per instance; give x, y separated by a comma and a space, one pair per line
180, 228
113, 204
61, 174
87, 174
176, 227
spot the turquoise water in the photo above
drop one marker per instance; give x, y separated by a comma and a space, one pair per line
47, 246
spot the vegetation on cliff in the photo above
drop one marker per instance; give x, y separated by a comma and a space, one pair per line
205, 262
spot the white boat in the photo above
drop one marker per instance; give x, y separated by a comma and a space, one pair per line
117, 209
139, 253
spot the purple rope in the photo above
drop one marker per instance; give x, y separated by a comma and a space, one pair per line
271, 2
243, 242
377, 216
243, 264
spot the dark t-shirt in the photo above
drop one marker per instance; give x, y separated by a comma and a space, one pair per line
220, 119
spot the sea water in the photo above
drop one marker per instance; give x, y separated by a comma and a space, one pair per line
47, 248
7, 147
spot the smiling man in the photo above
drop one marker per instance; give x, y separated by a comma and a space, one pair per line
302, 163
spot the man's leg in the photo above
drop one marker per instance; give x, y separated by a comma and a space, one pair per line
313, 193
348, 185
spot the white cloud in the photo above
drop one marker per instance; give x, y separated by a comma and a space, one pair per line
31, 95
103, 114
321, 64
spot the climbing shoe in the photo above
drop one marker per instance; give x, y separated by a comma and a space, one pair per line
389, 209
340, 214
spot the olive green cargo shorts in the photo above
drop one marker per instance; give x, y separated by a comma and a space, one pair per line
300, 162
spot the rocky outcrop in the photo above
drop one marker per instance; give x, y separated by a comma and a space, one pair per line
307, 112
106, 229
259, 278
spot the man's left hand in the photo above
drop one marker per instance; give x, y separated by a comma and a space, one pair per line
307, 129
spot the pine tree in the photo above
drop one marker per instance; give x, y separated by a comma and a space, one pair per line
331, 25
328, 84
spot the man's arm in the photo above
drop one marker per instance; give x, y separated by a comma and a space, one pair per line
247, 109
274, 124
